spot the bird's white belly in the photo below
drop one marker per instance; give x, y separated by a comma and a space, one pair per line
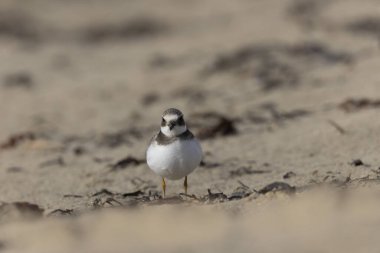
175, 160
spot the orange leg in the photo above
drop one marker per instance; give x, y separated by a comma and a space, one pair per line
163, 187
185, 185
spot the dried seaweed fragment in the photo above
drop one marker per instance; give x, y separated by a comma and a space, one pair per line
244, 170
19, 210
218, 125
126, 162
16, 139
19, 79
61, 212
278, 186
368, 25
356, 104
132, 29
288, 175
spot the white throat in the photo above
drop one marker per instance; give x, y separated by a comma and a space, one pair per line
177, 130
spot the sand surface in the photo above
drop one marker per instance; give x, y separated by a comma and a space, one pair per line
284, 95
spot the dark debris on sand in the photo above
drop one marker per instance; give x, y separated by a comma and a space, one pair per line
72, 196
241, 192
79, 151
315, 51
216, 125
358, 162
15, 169
61, 212
150, 99
108, 199
155, 198
356, 104
210, 197
16, 139
278, 186
246, 170
16, 210
103, 192
270, 113
119, 138
277, 115
18, 25
278, 65
2, 245
209, 165
128, 30
126, 162
289, 174
20, 79
367, 26
312, 51
338, 127
107, 202
306, 13
272, 74
133, 194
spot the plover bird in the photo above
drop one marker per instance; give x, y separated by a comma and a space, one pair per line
173, 152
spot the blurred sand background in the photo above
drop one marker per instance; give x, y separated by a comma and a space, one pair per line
277, 90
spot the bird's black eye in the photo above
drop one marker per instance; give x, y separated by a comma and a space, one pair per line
181, 121
163, 122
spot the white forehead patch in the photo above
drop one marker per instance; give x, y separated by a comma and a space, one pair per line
171, 117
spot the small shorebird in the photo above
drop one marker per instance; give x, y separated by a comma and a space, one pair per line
173, 152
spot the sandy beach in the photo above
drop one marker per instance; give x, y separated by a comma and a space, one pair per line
284, 96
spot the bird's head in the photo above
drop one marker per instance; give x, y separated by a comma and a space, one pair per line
172, 123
